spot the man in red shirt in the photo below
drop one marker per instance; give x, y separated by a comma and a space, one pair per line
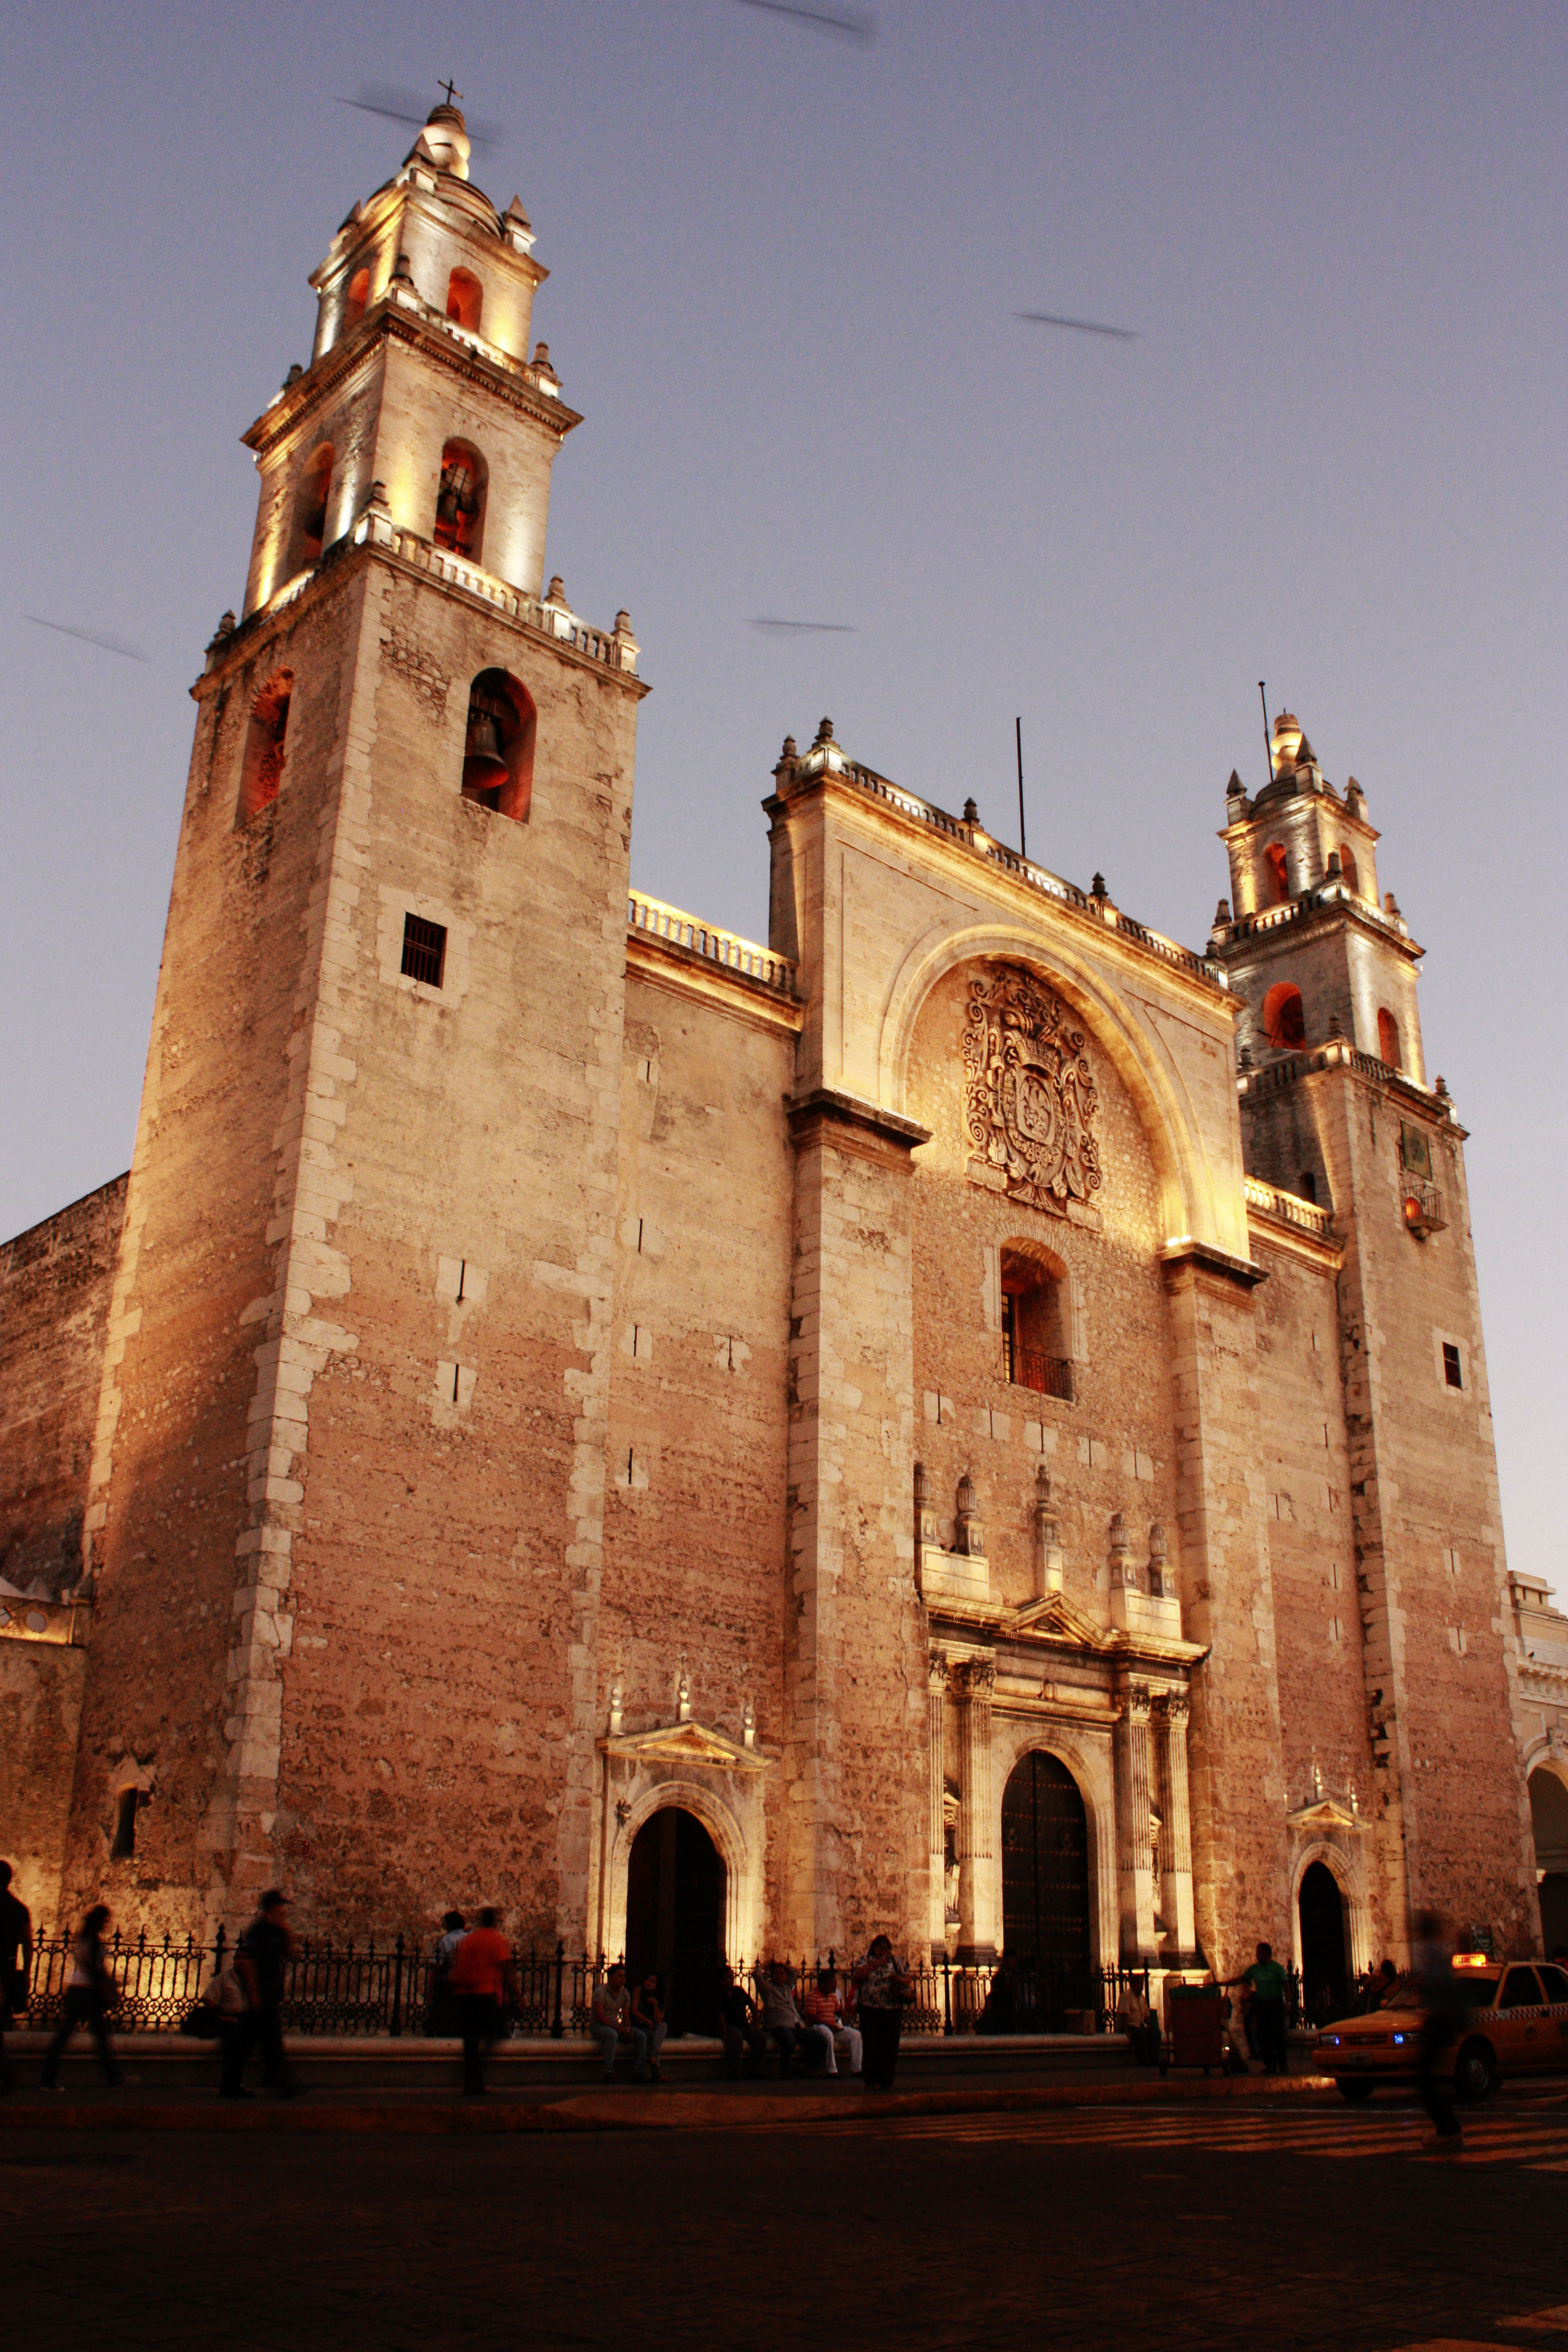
482, 1980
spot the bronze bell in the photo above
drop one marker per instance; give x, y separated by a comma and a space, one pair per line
484, 766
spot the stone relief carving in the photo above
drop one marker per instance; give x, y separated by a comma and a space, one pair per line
1029, 1098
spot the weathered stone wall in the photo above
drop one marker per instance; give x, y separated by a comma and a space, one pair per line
1111, 1447
695, 1511
40, 1724
173, 1451
55, 1286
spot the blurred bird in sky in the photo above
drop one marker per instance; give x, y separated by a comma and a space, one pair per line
817, 628
401, 105
92, 637
1079, 326
843, 24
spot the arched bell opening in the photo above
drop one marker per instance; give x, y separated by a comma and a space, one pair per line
1284, 1017
675, 1889
1349, 867
312, 498
465, 299
1045, 1892
1276, 875
261, 766
498, 745
1389, 1048
1324, 1945
460, 501
356, 299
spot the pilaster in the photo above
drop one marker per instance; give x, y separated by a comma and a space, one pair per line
979, 1903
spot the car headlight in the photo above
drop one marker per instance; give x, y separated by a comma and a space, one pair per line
1330, 2040
1399, 2041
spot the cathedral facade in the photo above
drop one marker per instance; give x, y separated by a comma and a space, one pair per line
968, 1419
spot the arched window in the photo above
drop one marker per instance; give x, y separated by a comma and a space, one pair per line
356, 299
465, 299
1277, 873
1388, 1039
311, 500
460, 501
498, 745
1348, 866
1284, 1017
262, 770
1036, 1321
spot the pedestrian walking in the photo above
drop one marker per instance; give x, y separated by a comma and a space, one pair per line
827, 2018
260, 1961
882, 1986
482, 1982
1442, 1999
92, 1996
647, 2018
743, 2037
610, 2023
1267, 1984
15, 1967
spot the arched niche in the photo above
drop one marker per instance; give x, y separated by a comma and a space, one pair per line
1187, 1203
465, 299
265, 734
1285, 1017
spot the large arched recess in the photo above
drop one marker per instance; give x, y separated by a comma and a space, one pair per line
1186, 1192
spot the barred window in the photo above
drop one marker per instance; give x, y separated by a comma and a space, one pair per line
423, 950
1453, 1371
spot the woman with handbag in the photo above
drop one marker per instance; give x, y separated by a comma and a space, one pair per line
91, 1995
882, 1985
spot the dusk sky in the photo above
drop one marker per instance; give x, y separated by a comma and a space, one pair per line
786, 274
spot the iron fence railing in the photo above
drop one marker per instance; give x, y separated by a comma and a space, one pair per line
392, 1987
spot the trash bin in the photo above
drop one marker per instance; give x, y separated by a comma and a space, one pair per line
1194, 2016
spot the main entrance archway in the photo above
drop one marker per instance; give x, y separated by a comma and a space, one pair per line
1325, 1984
675, 1915
1549, 1817
1045, 1889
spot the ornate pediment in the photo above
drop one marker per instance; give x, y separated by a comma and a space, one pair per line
1059, 1619
1325, 1814
1029, 1098
686, 1743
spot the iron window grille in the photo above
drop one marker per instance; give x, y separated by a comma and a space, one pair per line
423, 950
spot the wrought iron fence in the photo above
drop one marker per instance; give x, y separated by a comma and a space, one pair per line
395, 1987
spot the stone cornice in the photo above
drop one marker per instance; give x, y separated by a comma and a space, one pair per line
824, 1107
666, 964
390, 321
992, 876
1328, 1254
1205, 1259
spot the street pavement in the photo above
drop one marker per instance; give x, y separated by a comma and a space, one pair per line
1288, 2222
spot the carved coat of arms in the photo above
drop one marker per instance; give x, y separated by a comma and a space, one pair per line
1029, 1097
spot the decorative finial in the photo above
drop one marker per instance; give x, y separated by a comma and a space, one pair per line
747, 1725
556, 592
971, 814
683, 1695
1097, 889
825, 733
791, 750
1222, 913
618, 1700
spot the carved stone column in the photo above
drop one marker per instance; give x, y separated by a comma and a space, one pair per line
1134, 1857
1177, 1847
974, 1682
936, 1859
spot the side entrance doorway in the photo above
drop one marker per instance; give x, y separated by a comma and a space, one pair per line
1325, 1977
675, 1916
1045, 1895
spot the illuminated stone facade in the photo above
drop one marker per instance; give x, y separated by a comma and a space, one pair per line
561, 1362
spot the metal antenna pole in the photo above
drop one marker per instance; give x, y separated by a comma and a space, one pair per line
1018, 731
1268, 737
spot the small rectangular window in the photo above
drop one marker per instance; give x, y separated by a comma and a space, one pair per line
423, 950
1415, 1151
124, 1845
1453, 1372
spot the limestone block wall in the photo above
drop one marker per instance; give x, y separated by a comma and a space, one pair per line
56, 1282
41, 1687
1111, 1448
173, 1457
438, 1709
696, 1502
1440, 1639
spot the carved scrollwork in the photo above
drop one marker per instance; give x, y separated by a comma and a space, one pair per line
1029, 1096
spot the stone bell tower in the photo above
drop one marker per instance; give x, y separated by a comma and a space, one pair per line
347, 1486
1336, 1109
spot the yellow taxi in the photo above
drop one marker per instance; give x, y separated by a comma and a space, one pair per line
1517, 2023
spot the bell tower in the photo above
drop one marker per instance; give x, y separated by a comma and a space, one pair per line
348, 1481
1336, 1109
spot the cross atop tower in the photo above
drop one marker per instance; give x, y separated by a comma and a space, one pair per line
454, 96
